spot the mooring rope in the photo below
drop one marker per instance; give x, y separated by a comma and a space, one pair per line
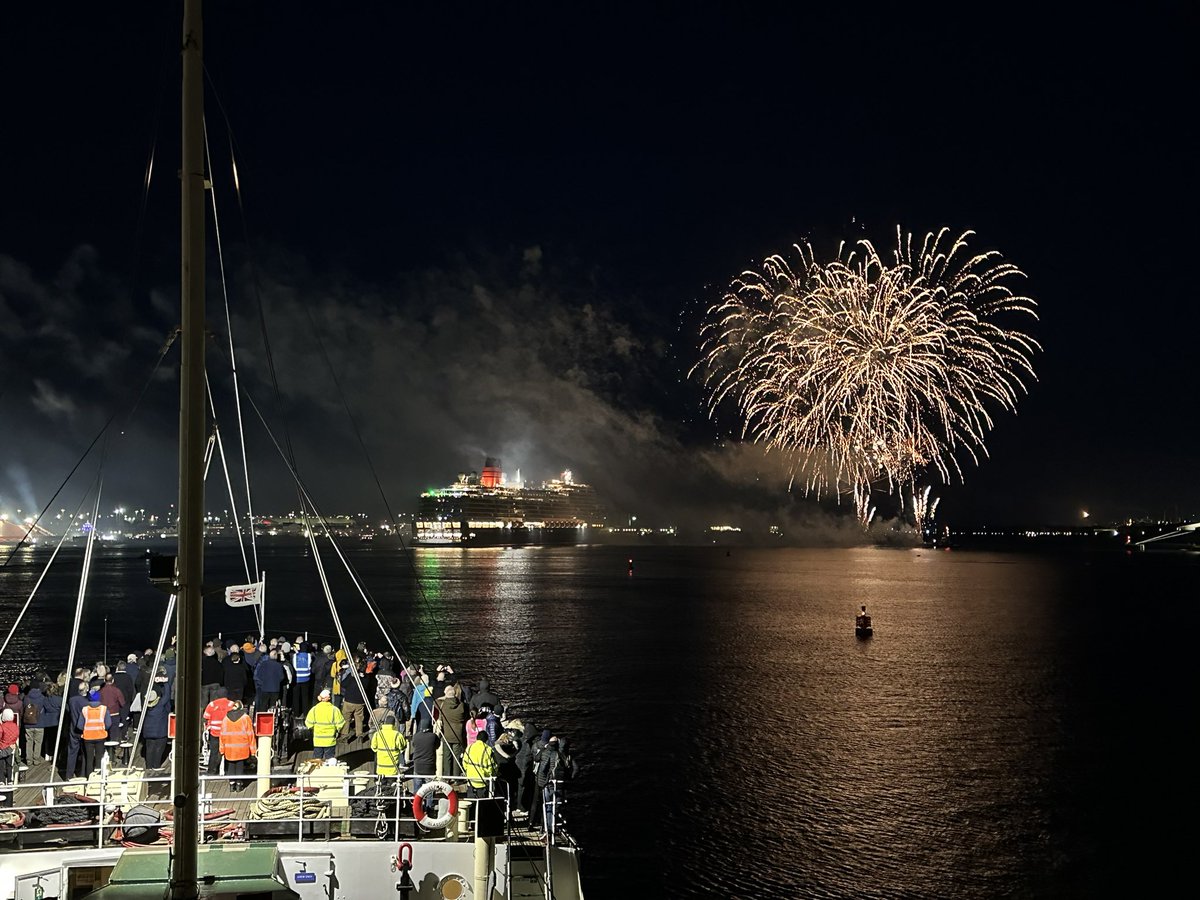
289, 803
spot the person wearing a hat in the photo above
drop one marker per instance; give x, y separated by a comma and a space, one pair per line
553, 767
251, 656
155, 720
325, 720
132, 668
94, 723
322, 660
388, 743
31, 720
10, 733
13, 699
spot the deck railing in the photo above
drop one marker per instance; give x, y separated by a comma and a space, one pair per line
307, 806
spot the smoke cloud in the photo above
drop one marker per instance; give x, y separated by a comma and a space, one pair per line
521, 356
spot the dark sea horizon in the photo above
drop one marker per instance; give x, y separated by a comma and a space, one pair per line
1013, 728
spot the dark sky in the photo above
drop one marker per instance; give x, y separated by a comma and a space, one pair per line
503, 220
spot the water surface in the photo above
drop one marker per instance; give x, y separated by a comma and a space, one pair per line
1009, 731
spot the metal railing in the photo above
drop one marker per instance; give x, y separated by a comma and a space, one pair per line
305, 806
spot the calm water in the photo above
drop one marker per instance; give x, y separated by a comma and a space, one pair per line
1010, 731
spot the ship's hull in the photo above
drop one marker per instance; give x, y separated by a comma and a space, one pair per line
342, 868
472, 513
464, 534
345, 845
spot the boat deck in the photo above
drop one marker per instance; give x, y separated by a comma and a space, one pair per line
228, 809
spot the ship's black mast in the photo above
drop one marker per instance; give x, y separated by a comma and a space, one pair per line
192, 436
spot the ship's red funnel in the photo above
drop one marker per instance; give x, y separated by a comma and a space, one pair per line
491, 473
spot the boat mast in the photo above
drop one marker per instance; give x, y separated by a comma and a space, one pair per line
192, 435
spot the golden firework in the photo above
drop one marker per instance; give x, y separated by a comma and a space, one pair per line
864, 369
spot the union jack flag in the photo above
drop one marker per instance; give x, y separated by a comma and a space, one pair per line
243, 594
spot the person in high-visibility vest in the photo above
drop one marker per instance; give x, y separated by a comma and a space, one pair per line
479, 764
325, 720
237, 743
94, 721
214, 718
302, 689
388, 743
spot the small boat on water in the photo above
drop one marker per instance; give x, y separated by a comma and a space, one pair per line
862, 625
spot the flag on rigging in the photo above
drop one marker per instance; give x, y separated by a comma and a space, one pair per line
244, 594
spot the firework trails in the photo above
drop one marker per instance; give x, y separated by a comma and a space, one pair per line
866, 369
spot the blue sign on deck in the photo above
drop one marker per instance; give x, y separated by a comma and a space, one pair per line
306, 878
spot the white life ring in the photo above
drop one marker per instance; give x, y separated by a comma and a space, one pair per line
418, 806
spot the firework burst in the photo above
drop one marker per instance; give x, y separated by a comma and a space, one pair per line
866, 369
923, 509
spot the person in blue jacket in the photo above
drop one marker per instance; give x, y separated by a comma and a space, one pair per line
155, 720
269, 676
51, 707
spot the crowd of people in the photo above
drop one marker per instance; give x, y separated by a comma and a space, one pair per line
408, 715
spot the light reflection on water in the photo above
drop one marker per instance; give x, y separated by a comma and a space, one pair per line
737, 740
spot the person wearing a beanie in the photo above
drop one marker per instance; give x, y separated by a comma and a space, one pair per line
13, 700
94, 723
10, 733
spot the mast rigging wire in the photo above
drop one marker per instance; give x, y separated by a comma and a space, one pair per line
289, 456
287, 451
95, 440
83, 576
237, 401
220, 449
61, 540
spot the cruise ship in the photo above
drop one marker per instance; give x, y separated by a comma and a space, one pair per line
485, 508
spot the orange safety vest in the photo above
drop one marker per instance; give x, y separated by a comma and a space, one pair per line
214, 714
237, 738
93, 723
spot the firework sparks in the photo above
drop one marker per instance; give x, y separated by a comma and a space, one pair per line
862, 506
923, 508
865, 369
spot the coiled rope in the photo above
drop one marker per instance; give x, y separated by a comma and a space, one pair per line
290, 803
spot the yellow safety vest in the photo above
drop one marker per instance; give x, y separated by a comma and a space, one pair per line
479, 763
325, 720
388, 744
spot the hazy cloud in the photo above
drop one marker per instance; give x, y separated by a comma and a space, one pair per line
515, 355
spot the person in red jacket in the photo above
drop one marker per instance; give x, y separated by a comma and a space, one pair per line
214, 718
10, 733
237, 744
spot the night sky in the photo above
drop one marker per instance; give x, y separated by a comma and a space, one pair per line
504, 221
